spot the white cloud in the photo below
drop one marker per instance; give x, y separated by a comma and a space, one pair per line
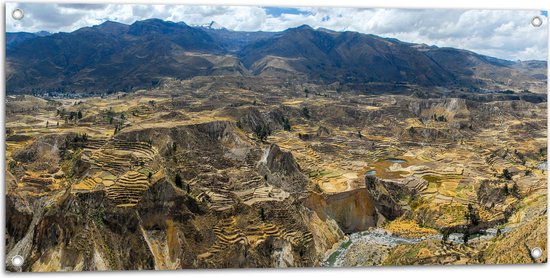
499, 33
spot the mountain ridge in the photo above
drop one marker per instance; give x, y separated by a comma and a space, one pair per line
114, 56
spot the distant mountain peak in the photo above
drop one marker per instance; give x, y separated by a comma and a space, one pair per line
211, 25
215, 25
43, 33
15, 38
110, 22
303, 27
159, 22
157, 26
109, 27
153, 20
322, 29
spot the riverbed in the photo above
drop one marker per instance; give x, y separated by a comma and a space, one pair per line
370, 247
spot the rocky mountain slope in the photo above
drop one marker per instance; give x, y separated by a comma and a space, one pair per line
113, 57
14, 38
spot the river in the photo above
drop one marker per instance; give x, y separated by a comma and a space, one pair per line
371, 247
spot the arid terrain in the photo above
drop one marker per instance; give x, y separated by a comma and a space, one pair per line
230, 171
166, 145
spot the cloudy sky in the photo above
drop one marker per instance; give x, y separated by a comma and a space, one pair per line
498, 33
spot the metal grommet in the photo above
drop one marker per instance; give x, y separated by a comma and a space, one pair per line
17, 260
536, 21
536, 253
17, 14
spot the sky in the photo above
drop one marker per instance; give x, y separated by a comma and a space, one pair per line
505, 34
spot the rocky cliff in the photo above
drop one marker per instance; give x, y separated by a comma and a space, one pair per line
200, 195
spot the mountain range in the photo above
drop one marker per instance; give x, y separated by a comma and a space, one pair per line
114, 56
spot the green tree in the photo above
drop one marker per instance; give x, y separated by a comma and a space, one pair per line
174, 147
466, 237
305, 112
286, 124
262, 214
262, 132
506, 174
446, 234
178, 181
472, 215
505, 190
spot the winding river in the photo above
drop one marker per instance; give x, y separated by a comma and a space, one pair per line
371, 247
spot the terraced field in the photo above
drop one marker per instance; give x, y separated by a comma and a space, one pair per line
227, 234
234, 174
